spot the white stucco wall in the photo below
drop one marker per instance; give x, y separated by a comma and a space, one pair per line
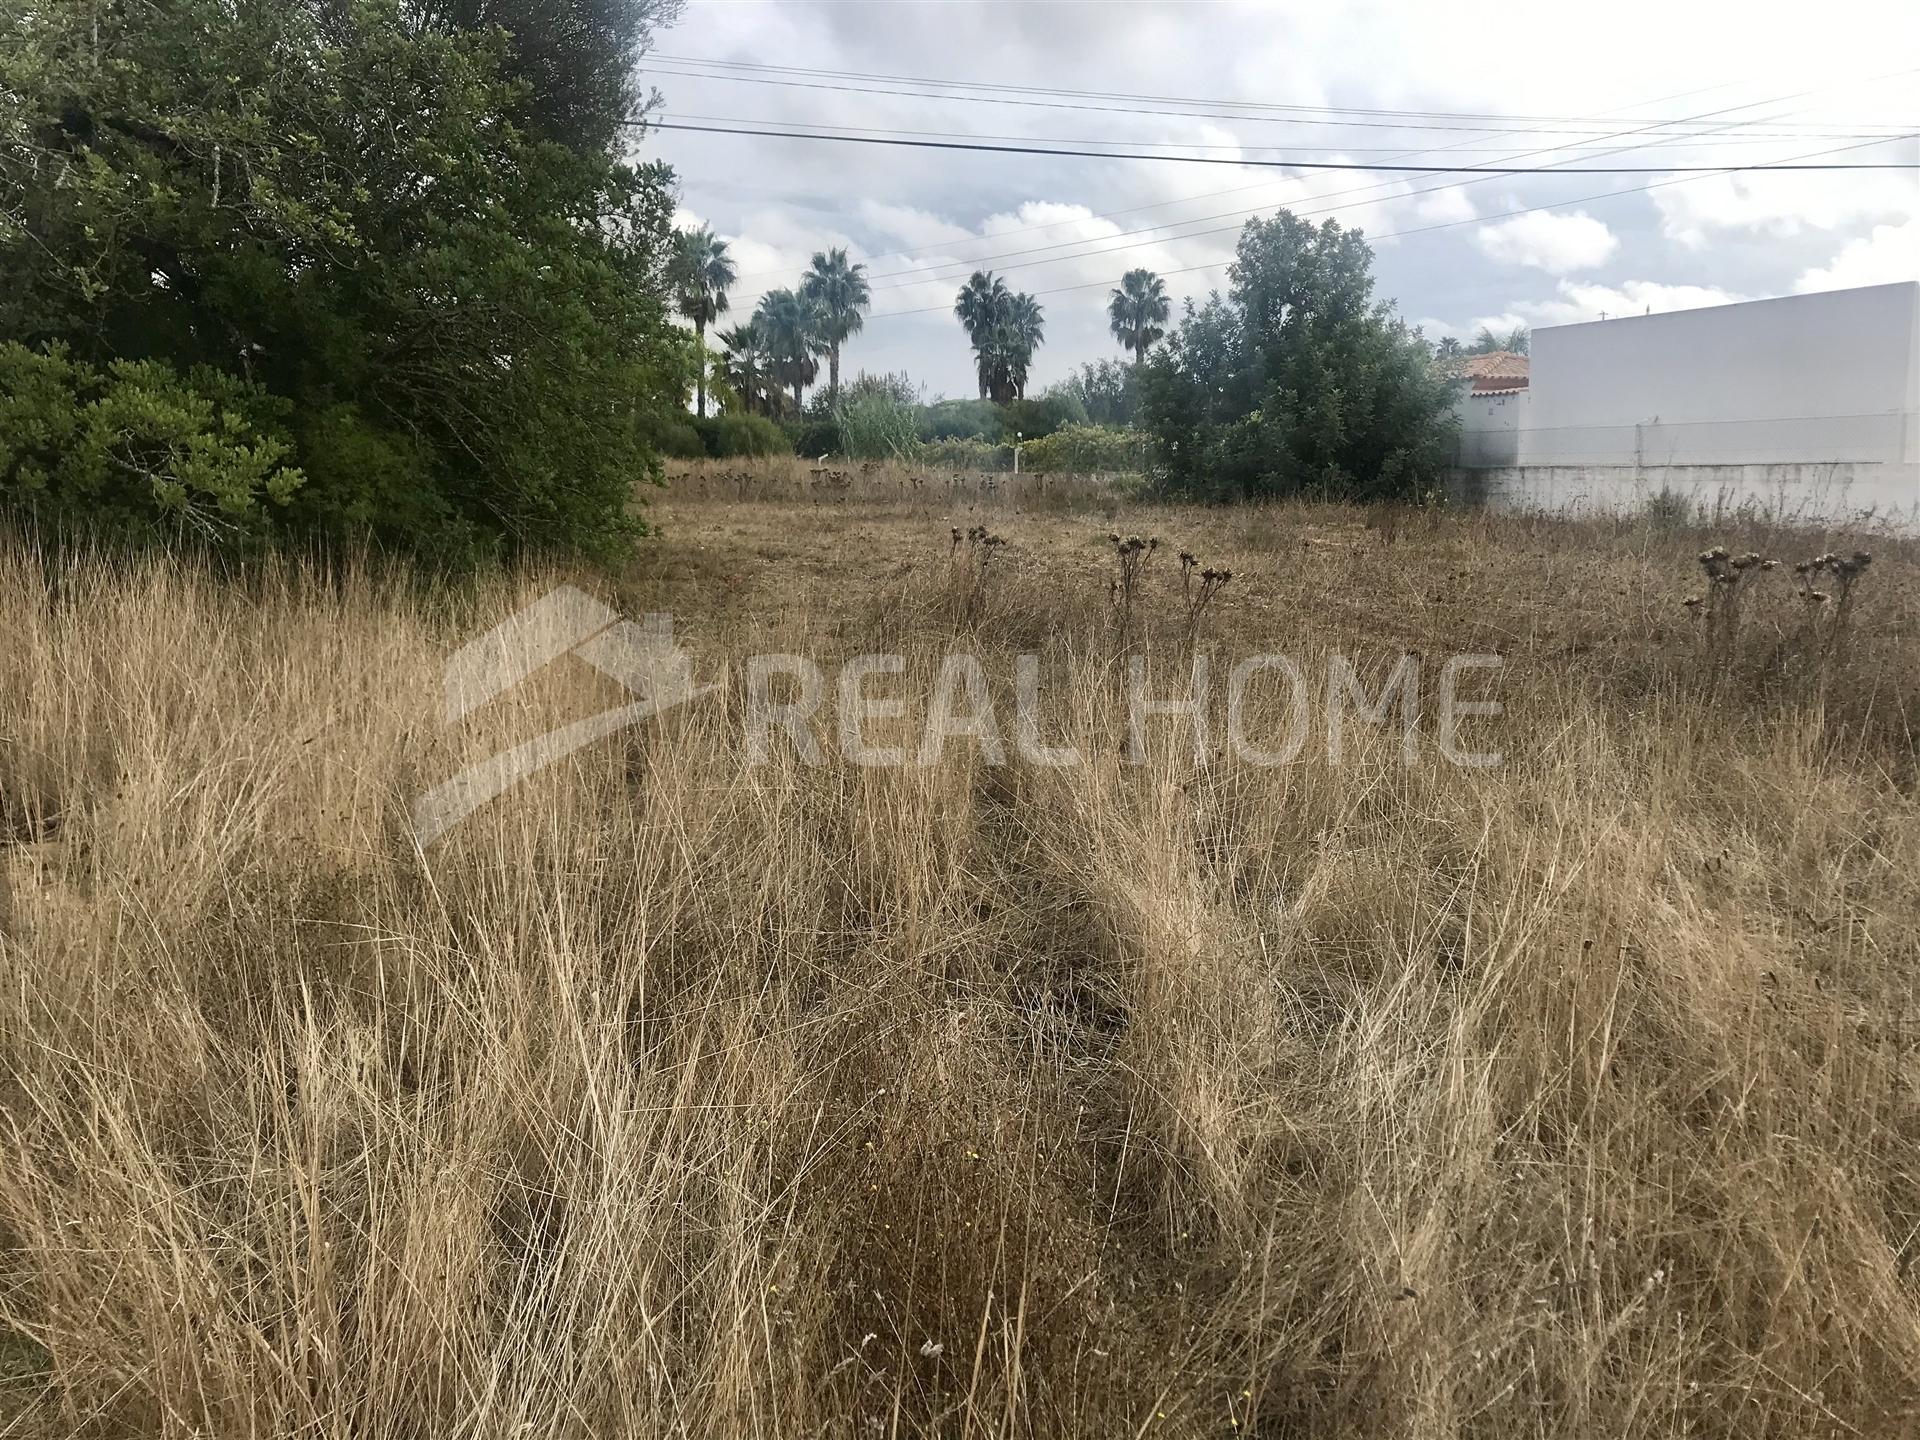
1490, 427
1806, 379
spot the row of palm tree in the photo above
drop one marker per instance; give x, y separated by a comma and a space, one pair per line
776, 349
1486, 342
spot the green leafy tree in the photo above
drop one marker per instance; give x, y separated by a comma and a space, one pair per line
792, 328
1105, 390
575, 62
838, 292
702, 273
335, 207
1137, 312
1298, 381
897, 386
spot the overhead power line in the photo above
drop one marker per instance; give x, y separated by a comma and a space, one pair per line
1372, 188
1373, 166
1138, 104
960, 266
1705, 139
1397, 234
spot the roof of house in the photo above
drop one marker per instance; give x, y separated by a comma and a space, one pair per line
1499, 384
1500, 363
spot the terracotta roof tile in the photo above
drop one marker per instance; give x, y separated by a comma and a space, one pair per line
1503, 363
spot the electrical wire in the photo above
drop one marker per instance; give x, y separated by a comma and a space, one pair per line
1705, 139
1377, 187
1396, 234
1370, 166
1533, 121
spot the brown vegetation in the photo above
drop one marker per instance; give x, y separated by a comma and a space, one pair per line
672, 1095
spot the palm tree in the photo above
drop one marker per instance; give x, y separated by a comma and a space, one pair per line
839, 293
1005, 329
1449, 348
978, 306
701, 274
1486, 342
748, 366
1024, 328
792, 328
1137, 312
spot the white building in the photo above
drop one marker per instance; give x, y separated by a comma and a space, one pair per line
1803, 404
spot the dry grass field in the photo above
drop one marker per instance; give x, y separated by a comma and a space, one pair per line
676, 1095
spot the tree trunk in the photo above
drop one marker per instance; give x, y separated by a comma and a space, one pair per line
700, 380
833, 373
796, 397
1140, 354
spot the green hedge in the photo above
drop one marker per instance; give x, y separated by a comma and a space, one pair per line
675, 437
1085, 449
967, 455
725, 437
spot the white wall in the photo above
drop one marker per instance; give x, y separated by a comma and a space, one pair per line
1490, 427
1835, 493
1804, 379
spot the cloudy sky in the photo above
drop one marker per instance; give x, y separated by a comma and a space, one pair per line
1631, 83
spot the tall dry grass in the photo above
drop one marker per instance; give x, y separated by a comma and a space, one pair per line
672, 1095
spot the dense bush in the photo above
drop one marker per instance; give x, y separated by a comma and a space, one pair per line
814, 436
960, 420
895, 385
1297, 382
876, 425
1105, 390
1085, 449
676, 437
1042, 416
966, 455
139, 449
364, 219
984, 420
725, 437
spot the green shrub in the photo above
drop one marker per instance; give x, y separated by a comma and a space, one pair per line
966, 455
364, 480
877, 426
1084, 449
961, 420
138, 449
725, 437
814, 436
1040, 417
675, 436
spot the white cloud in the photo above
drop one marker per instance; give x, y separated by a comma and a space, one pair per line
913, 228
1578, 302
1549, 241
1890, 253
1783, 204
1446, 206
1743, 235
